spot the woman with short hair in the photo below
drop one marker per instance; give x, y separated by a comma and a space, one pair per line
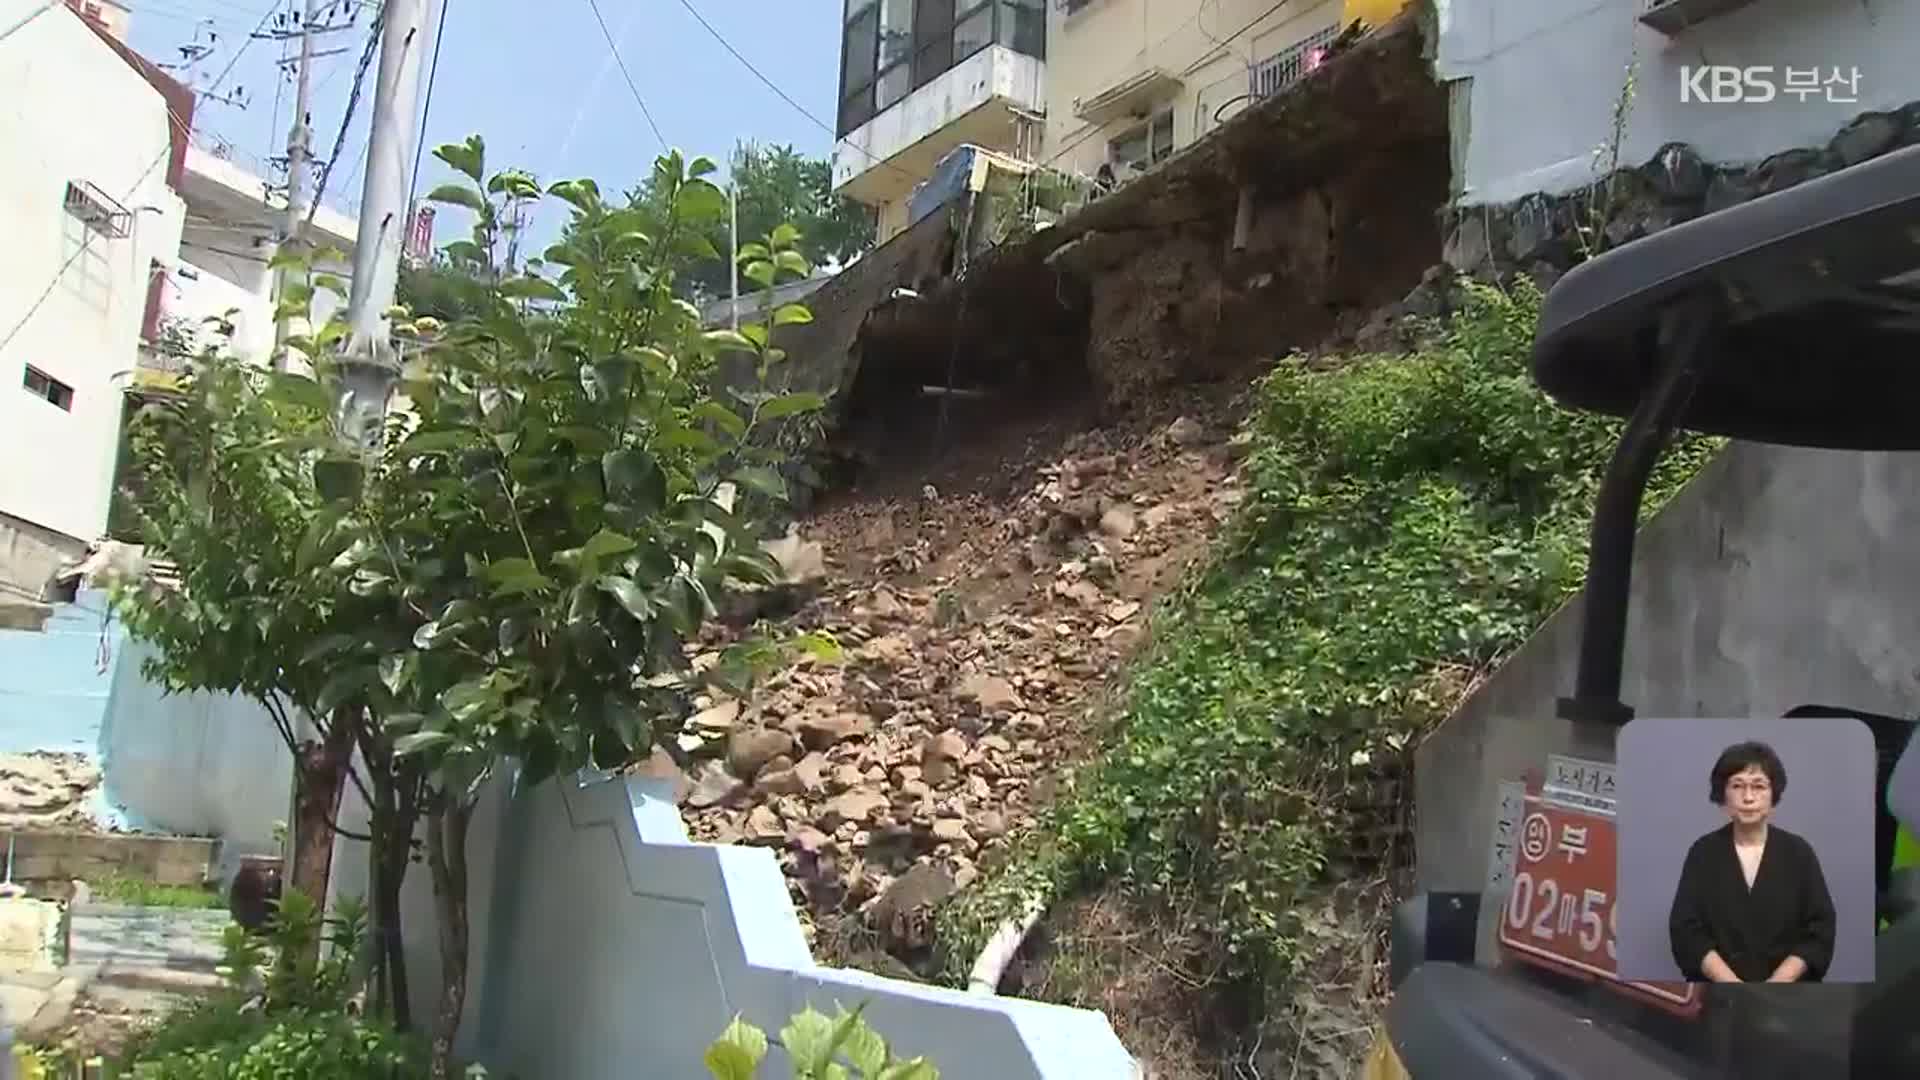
1752, 904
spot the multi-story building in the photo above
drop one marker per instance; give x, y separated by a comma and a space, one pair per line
919, 78
120, 230
1132, 81
95, 144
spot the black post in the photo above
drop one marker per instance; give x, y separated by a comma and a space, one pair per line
1685, 334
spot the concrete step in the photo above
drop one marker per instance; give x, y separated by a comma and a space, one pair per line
130, 939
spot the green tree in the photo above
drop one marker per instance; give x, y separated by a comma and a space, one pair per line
559, 502
776, 185
234, 479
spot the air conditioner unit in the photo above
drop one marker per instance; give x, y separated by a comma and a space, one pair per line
1672, 16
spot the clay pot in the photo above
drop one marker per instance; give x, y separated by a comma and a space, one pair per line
255, 890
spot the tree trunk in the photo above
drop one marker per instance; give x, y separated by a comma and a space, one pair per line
447, 856
396, 811
320, 778
399, 854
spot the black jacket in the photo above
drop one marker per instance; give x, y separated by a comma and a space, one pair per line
1787, 912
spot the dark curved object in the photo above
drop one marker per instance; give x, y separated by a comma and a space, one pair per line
254, 893
1452, 1020
1816, 347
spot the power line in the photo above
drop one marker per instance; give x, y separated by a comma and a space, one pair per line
165, 152
638, 100
353, 100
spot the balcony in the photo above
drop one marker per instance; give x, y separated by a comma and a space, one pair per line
980, 100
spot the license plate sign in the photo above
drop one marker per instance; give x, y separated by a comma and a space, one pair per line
1560, 904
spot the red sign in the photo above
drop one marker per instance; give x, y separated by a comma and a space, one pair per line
1560, 907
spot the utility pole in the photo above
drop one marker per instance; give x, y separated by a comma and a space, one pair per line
733, 246
299, 144
370, 365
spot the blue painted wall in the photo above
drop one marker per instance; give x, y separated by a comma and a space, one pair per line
54, 685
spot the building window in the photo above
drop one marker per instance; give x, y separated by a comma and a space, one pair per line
40, 384
1143, 147
888, 48
973, 31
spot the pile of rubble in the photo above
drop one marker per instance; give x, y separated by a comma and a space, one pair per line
976, 631
47, 791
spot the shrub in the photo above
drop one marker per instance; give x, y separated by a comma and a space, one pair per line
841, 1048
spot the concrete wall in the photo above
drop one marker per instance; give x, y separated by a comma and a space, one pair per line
29, 554
73, 111
188, 764
1107, 42
1779, 577
1544, 76
606, 945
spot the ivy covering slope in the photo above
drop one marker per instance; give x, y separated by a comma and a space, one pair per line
1408, 519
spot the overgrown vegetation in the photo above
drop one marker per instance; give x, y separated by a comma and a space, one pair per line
121, 889
1409, 520
284, 1012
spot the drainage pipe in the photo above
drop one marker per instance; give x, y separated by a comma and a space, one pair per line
1000, 948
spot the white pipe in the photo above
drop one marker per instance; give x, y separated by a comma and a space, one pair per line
1006, 941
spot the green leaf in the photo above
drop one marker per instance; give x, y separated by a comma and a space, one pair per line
605, 543
532, 287
756, 333
750, 252
785, 235
343, 687
917, 1069
582, 193
753, 567
423, 443
635, 479
866, 1050
337, 478
792, 314
314, 548
759, 272
458, 195
701, 166
729, 340
327, 646
629, 595
469, 157
808, 1039
418, 741
763, 480
298, 390
699, 200
512, 577
792, 262
721, 417
790, 405
819, 644
587, 440
725, 1061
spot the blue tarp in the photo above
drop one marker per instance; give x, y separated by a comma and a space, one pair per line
948, 180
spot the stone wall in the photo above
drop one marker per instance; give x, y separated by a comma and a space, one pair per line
1541, 234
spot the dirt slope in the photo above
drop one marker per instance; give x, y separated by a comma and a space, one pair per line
984, 606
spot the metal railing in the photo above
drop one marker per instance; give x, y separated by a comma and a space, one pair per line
1277, 73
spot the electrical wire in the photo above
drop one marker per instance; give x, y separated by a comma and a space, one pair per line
784, 96
353, 100
165, 152
637, 99
426, 108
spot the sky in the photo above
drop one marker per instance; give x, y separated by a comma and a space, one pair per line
535, 79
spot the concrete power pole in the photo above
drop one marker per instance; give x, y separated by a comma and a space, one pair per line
299, 155
370, 365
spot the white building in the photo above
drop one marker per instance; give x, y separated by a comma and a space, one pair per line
1535, 83
94, 140
232, 224
919, 79
119, 226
